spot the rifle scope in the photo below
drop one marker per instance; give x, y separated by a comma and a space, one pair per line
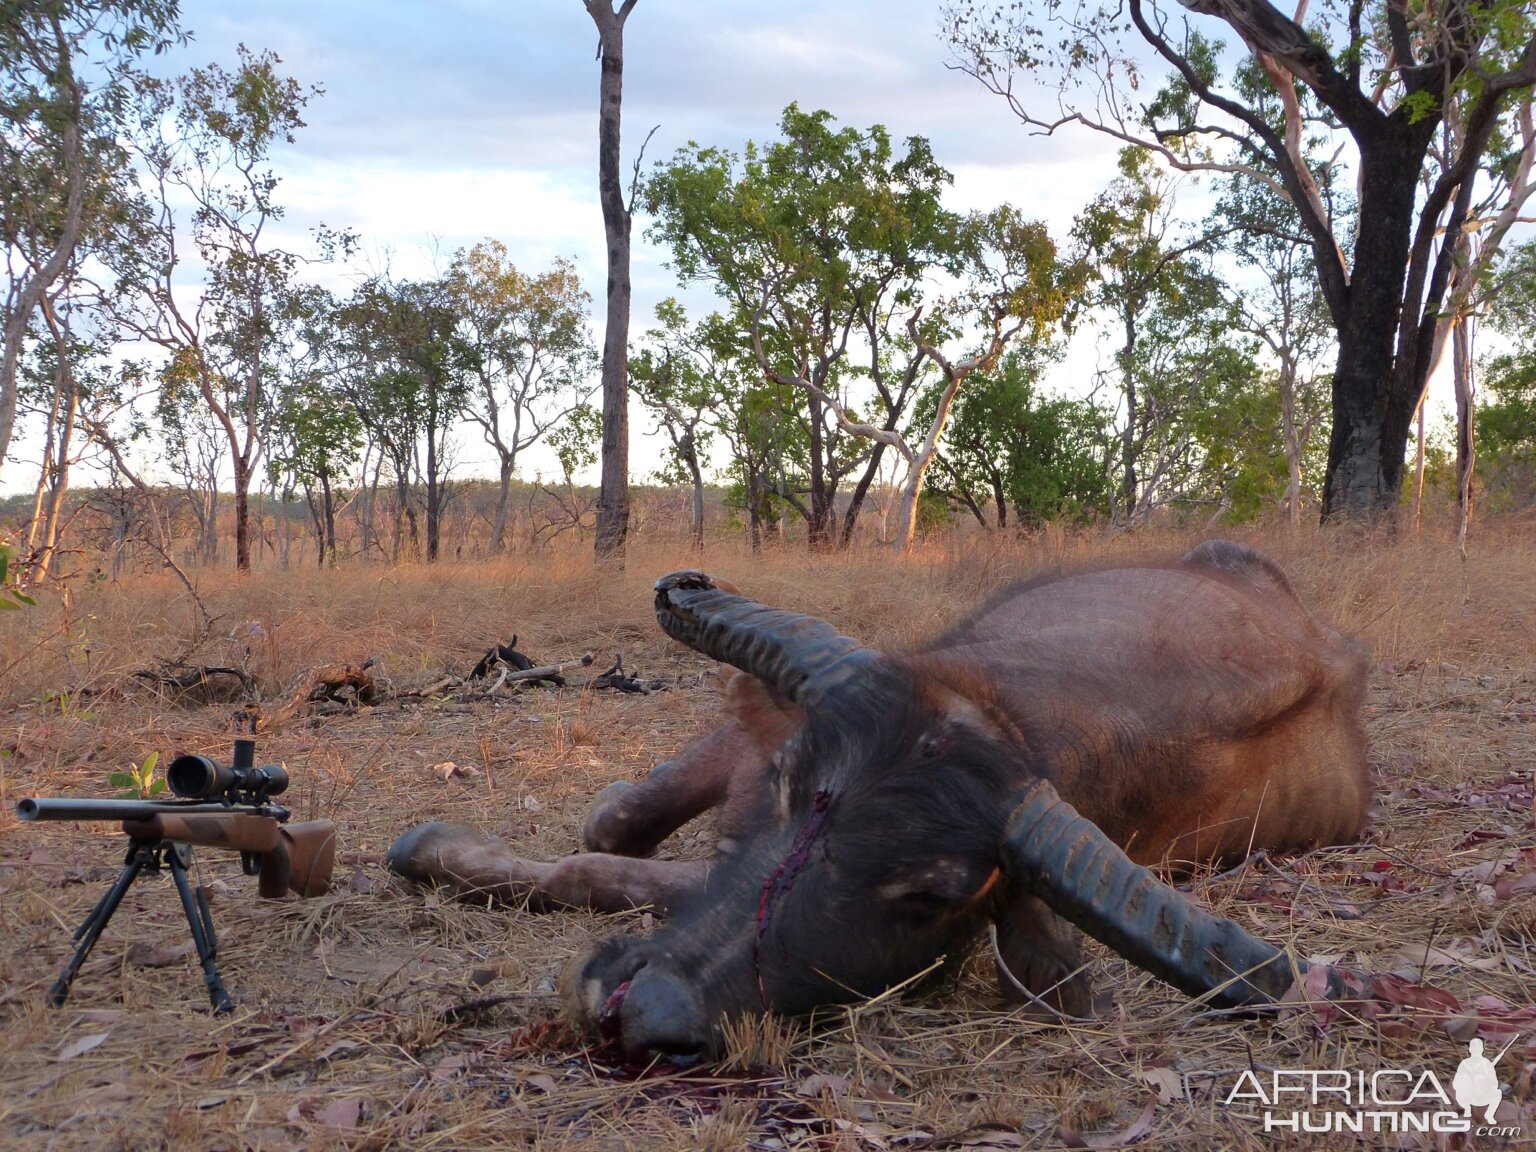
196, 777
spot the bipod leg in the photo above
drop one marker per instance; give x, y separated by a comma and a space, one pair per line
139, 854
200, 921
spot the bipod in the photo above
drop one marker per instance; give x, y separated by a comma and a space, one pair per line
151, 856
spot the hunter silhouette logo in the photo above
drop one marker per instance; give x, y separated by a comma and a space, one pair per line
1395, 1100
1477, 1084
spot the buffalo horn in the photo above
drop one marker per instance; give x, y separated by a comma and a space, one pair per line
1068, 862
799, 657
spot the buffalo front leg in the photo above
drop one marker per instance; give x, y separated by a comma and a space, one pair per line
725, 768
476, 865
631, 819
1038, 956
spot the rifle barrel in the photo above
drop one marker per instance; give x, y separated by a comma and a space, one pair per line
66, 808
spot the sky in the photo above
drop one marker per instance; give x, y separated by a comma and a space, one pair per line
443, 123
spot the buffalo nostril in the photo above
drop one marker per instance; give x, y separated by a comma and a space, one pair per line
662, 1015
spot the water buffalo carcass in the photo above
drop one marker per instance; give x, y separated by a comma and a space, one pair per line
877, 810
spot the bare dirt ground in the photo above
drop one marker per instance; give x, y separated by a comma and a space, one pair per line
381, 1016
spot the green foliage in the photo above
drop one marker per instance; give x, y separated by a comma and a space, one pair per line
844, 275
1034, 458
1506, 418
12, 598
576, 440
528, 345
140, 780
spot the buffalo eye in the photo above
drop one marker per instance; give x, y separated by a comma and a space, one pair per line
931, 886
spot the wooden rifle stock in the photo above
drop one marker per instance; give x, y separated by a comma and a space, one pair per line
294, 857
238, 831
301, 862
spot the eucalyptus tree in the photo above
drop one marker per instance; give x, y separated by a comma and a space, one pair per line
685, 377
192, 446
409, 375
1283, 307
1031, 456
203, 281
317, 436
618, 213
1507, 416
826, 244
316, 443
66, 377
528, 345
1378, 77
1170, 321
66, 78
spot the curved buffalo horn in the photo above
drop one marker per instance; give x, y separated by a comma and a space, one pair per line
799, 657
1068, 862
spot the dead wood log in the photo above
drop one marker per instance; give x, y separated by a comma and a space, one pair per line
186, 678
339, 682
542, 672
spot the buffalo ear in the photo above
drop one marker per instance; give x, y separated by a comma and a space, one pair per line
1039, 960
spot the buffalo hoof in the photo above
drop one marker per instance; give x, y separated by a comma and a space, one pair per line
606, 827
461, 858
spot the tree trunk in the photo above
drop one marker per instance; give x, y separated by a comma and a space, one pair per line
1128, 481
861, 490
242, 516
503, 501
434, 498
818, 524
1290, 436
1466, 428
328, 507
613, 494
1375, 390
1416, 501
697, 474
53, 511
754, 516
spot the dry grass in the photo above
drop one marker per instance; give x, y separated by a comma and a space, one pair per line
381, 1017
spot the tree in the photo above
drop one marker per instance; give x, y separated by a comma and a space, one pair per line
203, 142
1507, 419
1285, 310
1171, 320
1034, 458
1379, 78
409, 379
679, 379
825, 244
65, 75
68, 370
317, 437
527, 340
613, 495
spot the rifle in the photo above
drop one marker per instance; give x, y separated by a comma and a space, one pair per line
219, 806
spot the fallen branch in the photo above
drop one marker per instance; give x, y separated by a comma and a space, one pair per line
542, 672
197, 677
616, 677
